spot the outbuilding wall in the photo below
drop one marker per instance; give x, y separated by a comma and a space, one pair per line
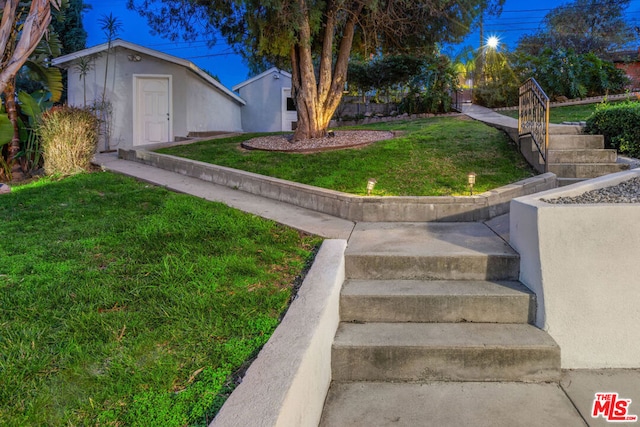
196, 105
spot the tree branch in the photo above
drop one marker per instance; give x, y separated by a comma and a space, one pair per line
6, 25
34, 27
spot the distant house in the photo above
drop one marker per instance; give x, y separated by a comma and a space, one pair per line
269, 107
153, 97
629, 62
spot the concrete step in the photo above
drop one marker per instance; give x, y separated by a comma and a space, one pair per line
566, 142
429, 251
585, 170
563, 182
555, 129
444, 352
583, 155
449, 404
436, 301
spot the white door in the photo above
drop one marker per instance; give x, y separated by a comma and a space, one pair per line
153, 120
289, 114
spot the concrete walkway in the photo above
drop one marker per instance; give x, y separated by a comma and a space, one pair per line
301, 219
500, 121
440, 404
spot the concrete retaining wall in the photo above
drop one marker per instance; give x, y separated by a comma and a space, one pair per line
287, 384
347, 206
582, 261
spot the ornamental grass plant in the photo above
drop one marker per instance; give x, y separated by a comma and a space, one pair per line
69, 139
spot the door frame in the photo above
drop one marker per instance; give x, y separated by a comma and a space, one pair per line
137, 136
285, 125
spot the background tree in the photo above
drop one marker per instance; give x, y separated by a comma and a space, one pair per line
111, 26
22, 26
584, 26
70, 30
72, 35
383, 73
431, 89
316, 38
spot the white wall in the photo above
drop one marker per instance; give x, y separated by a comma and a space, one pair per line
263, 112
583, 263
209, 110
287, 384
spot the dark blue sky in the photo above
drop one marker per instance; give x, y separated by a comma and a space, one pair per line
518, 17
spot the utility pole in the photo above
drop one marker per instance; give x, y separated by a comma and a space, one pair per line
480, 73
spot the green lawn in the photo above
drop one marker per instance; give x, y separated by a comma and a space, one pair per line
431, 158
125, 304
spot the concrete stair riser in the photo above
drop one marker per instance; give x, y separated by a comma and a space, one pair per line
436, 301
565, 130
568, 142
444, 352
563, 182
463, 267
585, 170
582, 156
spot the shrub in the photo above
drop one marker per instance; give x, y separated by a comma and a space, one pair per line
566, 73
619, 125
496, 94
69, 139
430, 91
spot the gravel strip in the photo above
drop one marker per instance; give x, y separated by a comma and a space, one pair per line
625, 192
341, 139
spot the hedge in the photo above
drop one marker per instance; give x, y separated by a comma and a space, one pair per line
620, 125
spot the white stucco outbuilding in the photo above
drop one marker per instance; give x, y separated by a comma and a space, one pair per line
269, 107
153, 97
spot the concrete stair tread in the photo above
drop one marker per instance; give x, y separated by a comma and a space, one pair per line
461, 288
580, 150
426, 239
586, 164
478, 404
449, 251
460, 335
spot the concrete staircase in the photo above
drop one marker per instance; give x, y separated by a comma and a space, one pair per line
573, 156
432, 302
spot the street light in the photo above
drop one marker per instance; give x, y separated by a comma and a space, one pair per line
493, 42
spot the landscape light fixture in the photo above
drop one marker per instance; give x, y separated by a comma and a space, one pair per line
471, 179
370, 184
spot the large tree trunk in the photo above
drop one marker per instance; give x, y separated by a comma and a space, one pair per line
14, 145
318, 98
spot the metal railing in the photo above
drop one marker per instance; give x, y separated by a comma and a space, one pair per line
533, 117
457, 98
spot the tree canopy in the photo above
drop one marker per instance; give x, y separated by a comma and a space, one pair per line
583, 26
315, 39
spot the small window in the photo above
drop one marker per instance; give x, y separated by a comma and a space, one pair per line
290, 104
